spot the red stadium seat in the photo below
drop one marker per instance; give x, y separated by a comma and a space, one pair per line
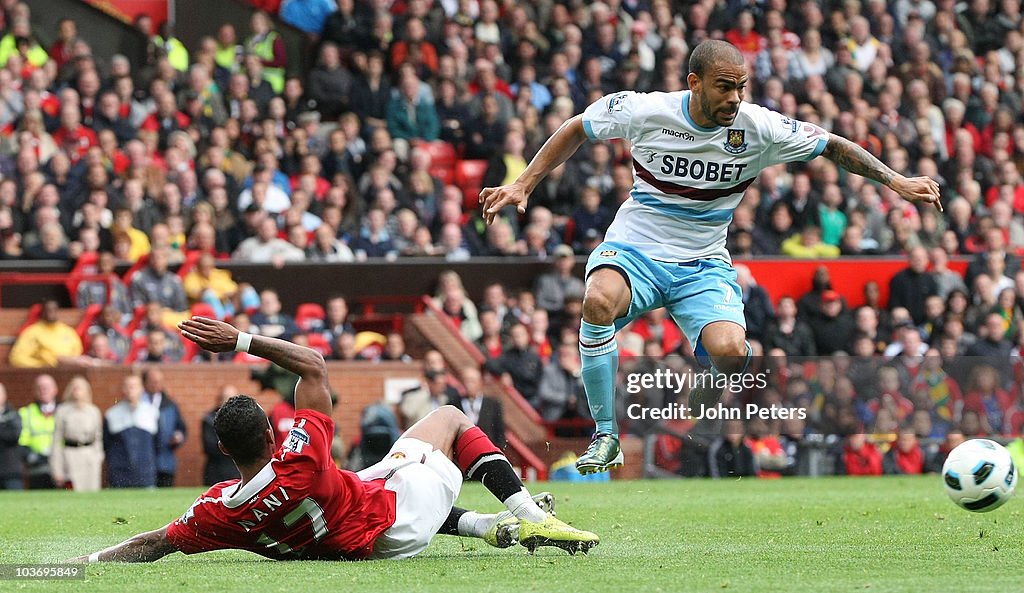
309, 317
91, 313
443, 159
469, 177
138, 265
318, 342
138, 347
191, 258
203, 310
34, 312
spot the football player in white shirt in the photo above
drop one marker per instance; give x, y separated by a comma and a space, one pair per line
694, 153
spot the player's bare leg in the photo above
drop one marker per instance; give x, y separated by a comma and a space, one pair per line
725, 343
606, 299
448, 430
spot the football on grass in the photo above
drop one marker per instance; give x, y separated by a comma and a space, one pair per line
979, 475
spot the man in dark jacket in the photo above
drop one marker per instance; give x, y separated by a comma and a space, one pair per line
729, 456
833, 328
129, 438
757, 306
219, 466
519, 364
912, 286
482, 410
10, 452
171, 429
789, 333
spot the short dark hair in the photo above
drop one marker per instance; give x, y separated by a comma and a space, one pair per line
712, 51
240, 424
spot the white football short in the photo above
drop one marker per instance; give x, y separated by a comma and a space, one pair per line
426, 484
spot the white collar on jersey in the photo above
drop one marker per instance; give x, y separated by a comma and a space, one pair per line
253, 487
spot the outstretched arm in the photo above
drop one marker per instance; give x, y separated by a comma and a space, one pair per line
312, 391
144, 547
559, 147
855, 159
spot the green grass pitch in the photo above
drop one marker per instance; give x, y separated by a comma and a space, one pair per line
815, 535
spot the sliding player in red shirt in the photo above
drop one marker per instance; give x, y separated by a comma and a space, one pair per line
292, 502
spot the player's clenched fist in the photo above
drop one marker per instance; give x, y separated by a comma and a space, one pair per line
496, 198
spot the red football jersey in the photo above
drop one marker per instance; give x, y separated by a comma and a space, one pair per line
298, 506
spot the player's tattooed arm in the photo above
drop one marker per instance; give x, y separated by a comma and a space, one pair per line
144, 547
855, 159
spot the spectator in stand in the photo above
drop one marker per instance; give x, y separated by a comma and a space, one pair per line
155, 283
905, 455
482, 410
269, 321
757, 305
374, 238
330, 83
808, 245
267, 45
552, 287
37, 426
308, 16
266, 247
993, 347
95, 292
560, 391
219, 466
994, 249
729, 456
48, 342
860, 457
326, 247
129, 438
394, 349
519, 365
410, 116
158, 348
789, 333
432, 393
833, 328
77, 458
769, 456
490, 342
336, 321
986, 397
656, 325
11, 453
171, 430
215, 287
109, 325
910, 287
53, 244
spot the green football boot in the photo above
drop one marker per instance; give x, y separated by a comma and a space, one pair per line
602, 455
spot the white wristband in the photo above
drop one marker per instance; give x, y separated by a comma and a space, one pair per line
94, 557
244, 340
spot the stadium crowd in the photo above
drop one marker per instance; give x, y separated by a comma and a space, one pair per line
188, 156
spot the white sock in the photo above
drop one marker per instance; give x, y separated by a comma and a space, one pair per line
473, 524
524, 507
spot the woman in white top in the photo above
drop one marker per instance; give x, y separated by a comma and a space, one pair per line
77, 456
811, 58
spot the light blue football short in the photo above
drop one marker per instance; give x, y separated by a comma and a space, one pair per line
695, 293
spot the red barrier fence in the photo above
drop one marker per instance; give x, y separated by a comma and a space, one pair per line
790, 277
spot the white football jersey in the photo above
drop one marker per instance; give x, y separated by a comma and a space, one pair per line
689, 179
